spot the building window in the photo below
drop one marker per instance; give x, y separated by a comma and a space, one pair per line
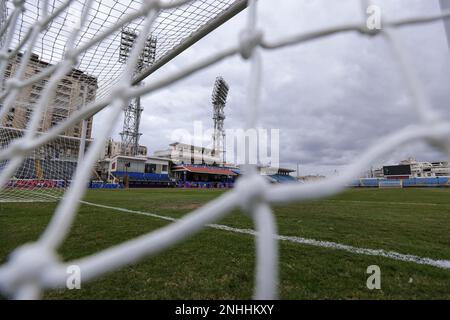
150, 168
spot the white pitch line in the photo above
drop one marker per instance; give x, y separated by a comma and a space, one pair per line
392, 203
443, 264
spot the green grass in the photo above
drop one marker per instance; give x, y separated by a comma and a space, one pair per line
220, 265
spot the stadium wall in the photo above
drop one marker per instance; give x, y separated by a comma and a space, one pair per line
407, 183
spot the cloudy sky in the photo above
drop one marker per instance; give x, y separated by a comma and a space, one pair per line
330, 98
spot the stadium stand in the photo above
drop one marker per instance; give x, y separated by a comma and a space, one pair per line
204, 185
58, 169
101, 185
412, 182
145, 180
279, 178
138, 176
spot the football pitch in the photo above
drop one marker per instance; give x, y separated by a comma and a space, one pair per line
325, 250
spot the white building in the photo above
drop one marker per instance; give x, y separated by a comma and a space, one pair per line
114, 148
427, 169
411, 168
107, 167
440, 169
181, 153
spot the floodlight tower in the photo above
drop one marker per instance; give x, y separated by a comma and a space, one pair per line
130, 133
219, 100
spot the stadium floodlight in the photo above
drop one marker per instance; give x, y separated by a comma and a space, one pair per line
220, 92
219, 100
132, 115
148, 55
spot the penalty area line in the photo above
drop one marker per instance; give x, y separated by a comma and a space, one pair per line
390, 203
443, 264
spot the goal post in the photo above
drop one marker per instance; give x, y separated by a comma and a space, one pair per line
46, 65
390, 184
96, 72
43, 174
235, 8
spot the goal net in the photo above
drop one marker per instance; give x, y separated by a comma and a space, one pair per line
389, 184
59, 65
45, 173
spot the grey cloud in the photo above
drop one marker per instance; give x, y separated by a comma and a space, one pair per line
331, 98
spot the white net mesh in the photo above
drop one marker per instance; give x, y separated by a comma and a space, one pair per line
93, 49
44, 174
171, 27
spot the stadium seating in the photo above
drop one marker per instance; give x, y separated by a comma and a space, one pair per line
369, 182
279, 178
58, 169
138, 176
50, 169
413, 182
355, 183
204, 185
101, 185
27, 170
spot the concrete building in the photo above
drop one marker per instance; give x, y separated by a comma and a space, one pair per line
181, 153
56, 160
114, 148
73, 92
422, 169
411, 168
140, 169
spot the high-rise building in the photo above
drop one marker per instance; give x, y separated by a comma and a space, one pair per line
74, 91
114, 148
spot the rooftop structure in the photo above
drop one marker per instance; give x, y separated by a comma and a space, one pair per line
181, 153
411, 168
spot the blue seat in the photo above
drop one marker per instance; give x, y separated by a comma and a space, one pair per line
139, 176
279, 178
